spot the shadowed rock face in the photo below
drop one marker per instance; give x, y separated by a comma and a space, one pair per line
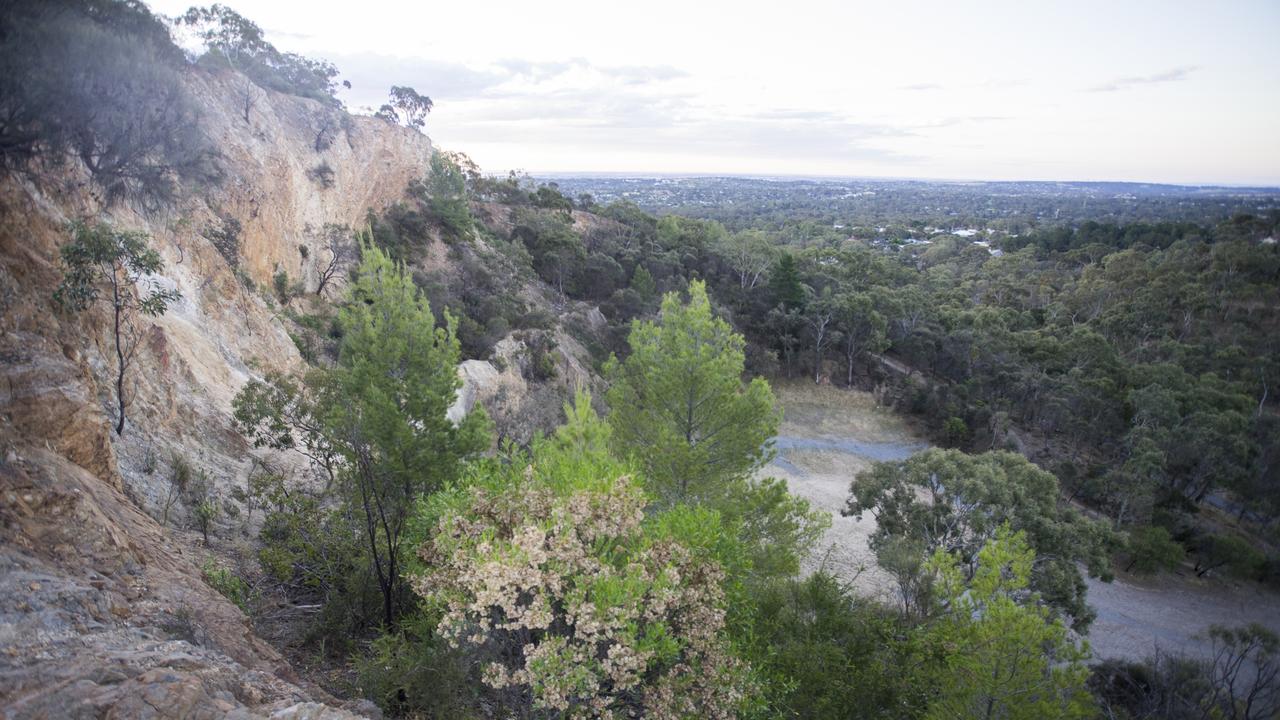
103, 612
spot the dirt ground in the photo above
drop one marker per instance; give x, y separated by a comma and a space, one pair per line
828, 435
1137, 616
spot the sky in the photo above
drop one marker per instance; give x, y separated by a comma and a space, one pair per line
1169, 91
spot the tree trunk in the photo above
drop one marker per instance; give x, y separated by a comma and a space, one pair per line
388, 593
120, 362
817, 361
849, 357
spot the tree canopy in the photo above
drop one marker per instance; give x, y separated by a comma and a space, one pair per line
955, 502
680, 407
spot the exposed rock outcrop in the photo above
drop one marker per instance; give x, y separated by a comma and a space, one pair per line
103, 612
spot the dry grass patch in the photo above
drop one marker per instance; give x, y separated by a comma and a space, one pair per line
828, 462
811, 410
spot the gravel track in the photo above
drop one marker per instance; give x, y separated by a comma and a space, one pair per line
1136, 616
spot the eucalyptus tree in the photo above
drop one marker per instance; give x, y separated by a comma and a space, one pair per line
99, 258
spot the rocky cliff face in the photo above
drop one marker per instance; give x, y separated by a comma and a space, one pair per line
103, 611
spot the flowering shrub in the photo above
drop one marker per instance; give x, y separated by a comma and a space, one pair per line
573, 602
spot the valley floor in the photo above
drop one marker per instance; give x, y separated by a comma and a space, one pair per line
829, 435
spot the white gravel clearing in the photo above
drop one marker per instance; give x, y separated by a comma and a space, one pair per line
1135, 615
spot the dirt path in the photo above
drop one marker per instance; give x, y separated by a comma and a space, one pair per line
830, 435
1171, 613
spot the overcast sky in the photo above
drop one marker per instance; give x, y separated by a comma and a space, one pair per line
1169, 91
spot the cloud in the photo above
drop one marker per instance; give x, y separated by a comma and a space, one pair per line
795, 114
372, 74
575, 105
962, 119
921, 86
275, 34
640, 74
1128, 83
627, 74
627, 120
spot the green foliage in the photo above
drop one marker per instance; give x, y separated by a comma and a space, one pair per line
679, 405
955, 431
415, 673
283, 288
280, 413
406, 106
548, 197
1152, 550
1234, 553
447, 200
318, 553
229, 584
375, 424
863, 327
305, 348
556, 249
100, 255
234, 41
642, 282
948, 500
750, 254
784, 283
823, 653
384, 407
1140, 356
777, 529
99, 258
100, 82
1005, 656
204, 513
568, 598
680, 409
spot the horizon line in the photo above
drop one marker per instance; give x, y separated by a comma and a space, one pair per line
640, 175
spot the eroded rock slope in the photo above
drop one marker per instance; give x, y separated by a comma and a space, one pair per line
102, 611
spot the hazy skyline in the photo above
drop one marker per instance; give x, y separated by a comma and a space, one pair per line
1175, 92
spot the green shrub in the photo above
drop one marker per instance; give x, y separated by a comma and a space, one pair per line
306, 349
1229, 552
823, 653
1152, 550
204, 513
447, 202
225, 237
226, 582
284, 289
414, 673
955, 431
569, 600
